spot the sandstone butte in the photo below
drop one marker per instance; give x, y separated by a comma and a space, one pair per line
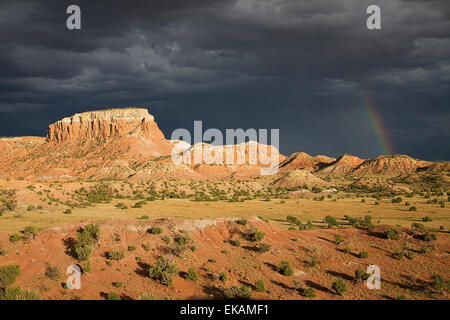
126, 143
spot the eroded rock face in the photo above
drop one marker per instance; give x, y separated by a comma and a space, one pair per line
105, 124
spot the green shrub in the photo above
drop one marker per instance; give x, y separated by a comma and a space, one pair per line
131, 248
291, 219
117, 284
361, 275
339, 286
31, 231
82, 252
15, 237
418, 226
16, 293
331, 221
262, 247
68, 211
260, 286
347, 250
256, 236
412, 208
223, 276
113, 296
285, 268
429, 236
363, 254
235, 242
8, 275
147, 297
393, 234
86, 267
242, 222
163, 271
309, 293
438, 282
116, 255
427, 219
243, 292
192, 275
315, 262
53, 273
397, 200
338, 239
155, 230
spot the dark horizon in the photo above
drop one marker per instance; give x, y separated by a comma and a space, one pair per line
311, 69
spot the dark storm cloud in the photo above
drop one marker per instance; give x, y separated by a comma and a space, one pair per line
301, 66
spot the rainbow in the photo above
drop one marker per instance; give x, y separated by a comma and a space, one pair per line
377, 125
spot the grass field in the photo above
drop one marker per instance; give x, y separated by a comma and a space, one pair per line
275, 211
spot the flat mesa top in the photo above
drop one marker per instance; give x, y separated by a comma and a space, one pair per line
111, 114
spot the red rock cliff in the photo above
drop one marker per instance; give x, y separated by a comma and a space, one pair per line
105, 124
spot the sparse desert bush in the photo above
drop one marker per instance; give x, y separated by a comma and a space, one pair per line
155, 230
338, 239
115, 255
234, 292
131, 248
235, 243
363, 254
347, 250
16, 293
339, 286
256, 236
223, 276
260, 286
113, 296
262, 247
418, 226
8, 275
429, 236
412, 208
117, 284
309, 293
68, 211
427, 219
86, 267
315, 262
397, 200
15, 237
361, 275
291, 219
191, 275
242, 222
393, 234
438, 282
163, 271
53, 273
285, 268
331, 221
147, 297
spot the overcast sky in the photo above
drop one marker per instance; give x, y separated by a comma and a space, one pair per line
306, 67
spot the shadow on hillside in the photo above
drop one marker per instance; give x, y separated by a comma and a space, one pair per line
271, 266
214, 292
328, 240
318, 287
142, 269
282, 285
247, 284
340, 275
69, 244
